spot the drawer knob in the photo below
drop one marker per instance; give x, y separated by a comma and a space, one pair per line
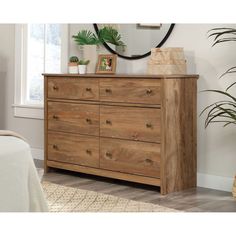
148, 91
55, 87
54, 146
135, 136
88, 151
55, 117
88, 120
108, 122
149, 161
108, 90
149, 125
108, 154
88, 89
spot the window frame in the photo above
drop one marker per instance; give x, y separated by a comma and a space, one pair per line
21, 108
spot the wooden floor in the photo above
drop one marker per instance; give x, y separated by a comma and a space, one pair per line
192, 200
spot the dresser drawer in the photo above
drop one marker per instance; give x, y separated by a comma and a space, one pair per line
134, 123
74, 149
69, 88
146, 91
75, 118
130, 157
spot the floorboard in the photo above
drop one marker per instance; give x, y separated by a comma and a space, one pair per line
191, 200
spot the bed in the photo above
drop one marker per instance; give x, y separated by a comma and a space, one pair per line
20, 188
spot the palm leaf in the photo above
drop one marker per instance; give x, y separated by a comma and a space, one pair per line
224, 40
221, 92
218, 32
86, 37
230, 122
219, 111
222, 111
230, 86
220, 102
229, 71
110, 35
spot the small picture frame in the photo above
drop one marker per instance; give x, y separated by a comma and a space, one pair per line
106, 64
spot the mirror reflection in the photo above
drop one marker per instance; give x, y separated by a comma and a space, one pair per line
138, 38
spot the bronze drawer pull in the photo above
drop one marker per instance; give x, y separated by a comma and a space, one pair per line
88, 120
149, 125
108, 90
135, 136
108, 154
54, 146
149, 161
88, 151
55, 87
88, 89
148, 91
55, 117
108, 122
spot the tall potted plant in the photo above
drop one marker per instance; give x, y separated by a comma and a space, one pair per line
223, 111
88, 42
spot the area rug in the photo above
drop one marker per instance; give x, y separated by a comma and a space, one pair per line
67, 199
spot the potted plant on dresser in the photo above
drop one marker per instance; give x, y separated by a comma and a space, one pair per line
73, 65
83, 66
223, 111
88, 42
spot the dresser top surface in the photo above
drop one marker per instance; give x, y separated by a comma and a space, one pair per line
130, 76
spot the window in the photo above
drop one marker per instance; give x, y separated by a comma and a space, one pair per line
40, 48
43, 55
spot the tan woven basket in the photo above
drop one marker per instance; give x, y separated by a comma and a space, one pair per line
234, 188
167, 61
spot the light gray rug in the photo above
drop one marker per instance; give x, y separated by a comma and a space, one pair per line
67, 199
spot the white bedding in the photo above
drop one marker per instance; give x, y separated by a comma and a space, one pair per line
20, 188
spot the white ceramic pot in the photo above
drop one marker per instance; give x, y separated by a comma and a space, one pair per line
73, 68
89, 52
82, 69
122, 50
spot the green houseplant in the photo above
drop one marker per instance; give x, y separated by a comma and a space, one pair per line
86, 37
110, 35
73, 65
83, 66
88, 42
223, 111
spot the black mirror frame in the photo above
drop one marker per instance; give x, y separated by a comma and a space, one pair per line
141, 56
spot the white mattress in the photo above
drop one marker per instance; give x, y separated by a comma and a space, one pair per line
20, 188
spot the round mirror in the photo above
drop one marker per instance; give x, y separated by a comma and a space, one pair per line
138, 39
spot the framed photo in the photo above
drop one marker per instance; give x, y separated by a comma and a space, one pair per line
106, 64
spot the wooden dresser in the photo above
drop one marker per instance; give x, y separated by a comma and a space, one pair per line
139, 128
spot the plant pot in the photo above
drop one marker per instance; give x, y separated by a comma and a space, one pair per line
89, 52
234, 188
73, 68
122, 50
82, 69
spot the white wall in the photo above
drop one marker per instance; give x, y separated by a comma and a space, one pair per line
216, 145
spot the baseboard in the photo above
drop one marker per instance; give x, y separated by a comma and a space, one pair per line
37, 153
203, 180
215, 182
